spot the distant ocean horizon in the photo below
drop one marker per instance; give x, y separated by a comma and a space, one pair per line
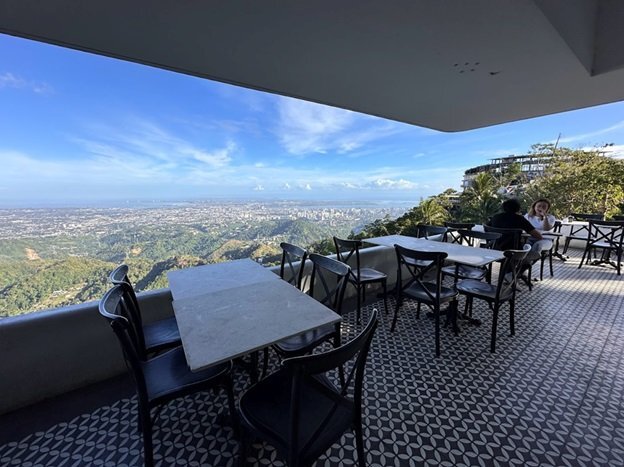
165, 203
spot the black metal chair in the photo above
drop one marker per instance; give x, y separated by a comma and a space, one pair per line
360, 277
497, 294
332, 276
512, 239
292, 254
553, 251
452, 236
608, 237
160, 379
426, 231
301, 411
421, 266
295, 258
472, 238
154, 337
618, 218
580, 232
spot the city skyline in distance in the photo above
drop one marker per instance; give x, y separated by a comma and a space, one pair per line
77, 129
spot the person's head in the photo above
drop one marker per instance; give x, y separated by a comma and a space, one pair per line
540, 207
511, 206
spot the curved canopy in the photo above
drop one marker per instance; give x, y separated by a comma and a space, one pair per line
446, 64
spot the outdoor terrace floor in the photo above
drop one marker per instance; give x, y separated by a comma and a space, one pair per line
551, 395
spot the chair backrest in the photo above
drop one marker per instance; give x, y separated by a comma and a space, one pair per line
119, 276
426, 231
451, 236
114, 307
510, 239
349, 250
352, 355
295, 258
510, 271
474, 237
333, 277
609, 233
587, 217
420, 264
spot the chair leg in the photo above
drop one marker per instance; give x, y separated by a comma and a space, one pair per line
243, 448
529, 279
512, 318
566, 245
148, 446
229, 389
550, 263
385, 295
542, 261
436, 311
583, 258
396, 313
359, 443
494, 325
359, 303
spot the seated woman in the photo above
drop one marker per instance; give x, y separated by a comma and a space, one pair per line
538, 215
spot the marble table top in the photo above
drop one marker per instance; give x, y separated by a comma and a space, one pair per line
200, 280
461, 254
231, 322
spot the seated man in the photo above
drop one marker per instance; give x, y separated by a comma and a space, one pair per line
511, 218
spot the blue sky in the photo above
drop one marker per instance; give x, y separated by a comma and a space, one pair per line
76, 127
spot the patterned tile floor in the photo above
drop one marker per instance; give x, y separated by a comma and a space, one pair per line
551, 395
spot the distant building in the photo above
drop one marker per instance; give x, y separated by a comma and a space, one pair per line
531, 167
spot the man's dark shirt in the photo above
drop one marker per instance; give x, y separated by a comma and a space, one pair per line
506, 220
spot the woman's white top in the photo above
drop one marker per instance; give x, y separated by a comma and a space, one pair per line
539, 224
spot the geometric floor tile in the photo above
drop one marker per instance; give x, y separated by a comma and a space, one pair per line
552, 395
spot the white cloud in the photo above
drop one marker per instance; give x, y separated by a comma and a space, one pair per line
587, 136
259, 188
387, 184
286, 186
307, 128
307, 187
9, 80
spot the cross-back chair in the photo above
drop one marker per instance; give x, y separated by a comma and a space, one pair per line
162, 378
504, 291
452, 235
303, 409
580, 231
426, 231
348, 252
156, 336
423, 283
472, 238
608, 237
293, 263
328, 282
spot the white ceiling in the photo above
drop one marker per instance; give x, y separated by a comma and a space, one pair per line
445, 64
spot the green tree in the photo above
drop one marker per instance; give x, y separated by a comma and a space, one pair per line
481, 200
581, 181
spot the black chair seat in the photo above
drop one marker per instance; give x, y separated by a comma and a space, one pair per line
303, 343
268, 405
161, 334
465, 272
371, 275
419, 293
482, 289
168, 375
418, 262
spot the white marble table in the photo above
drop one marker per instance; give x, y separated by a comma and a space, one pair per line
228, 310
462, 254
201, 280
